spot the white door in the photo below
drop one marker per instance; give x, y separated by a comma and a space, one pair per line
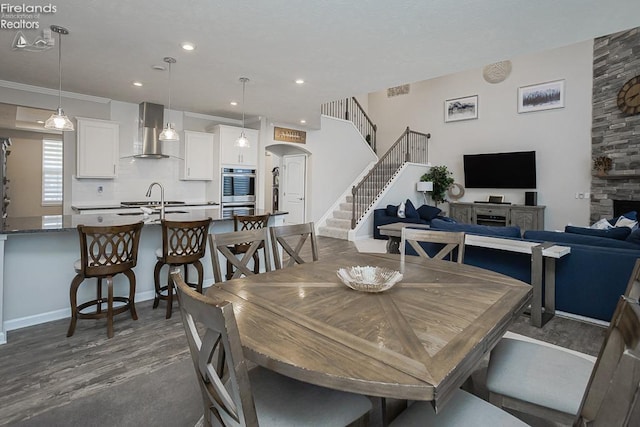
293, 184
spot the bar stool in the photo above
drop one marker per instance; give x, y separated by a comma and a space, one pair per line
183, 243
242, 223
105, 251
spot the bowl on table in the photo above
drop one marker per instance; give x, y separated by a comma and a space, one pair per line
369, 279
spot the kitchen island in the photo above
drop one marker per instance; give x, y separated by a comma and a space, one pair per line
37, 256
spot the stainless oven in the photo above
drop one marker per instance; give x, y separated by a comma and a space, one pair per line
238, 185
229, 210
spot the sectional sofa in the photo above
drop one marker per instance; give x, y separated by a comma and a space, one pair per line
389, 215
589, 281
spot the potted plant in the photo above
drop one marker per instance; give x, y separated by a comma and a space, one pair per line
442, 179
602, 164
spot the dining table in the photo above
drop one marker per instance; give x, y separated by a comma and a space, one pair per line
419, 340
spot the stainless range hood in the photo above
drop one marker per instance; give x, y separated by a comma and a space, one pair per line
151, 120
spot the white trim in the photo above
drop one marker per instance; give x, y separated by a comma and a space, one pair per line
3, 338
582, 318
515, 336
213, 118
54, 92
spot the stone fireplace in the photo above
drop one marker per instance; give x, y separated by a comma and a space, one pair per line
616, 59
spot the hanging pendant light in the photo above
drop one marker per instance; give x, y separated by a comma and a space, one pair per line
242, 140
59, 120
169, 132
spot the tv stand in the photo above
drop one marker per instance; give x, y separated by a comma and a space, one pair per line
498, 214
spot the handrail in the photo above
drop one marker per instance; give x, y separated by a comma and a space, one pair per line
350, 109
411, 146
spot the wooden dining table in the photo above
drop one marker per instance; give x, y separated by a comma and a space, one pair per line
419, 340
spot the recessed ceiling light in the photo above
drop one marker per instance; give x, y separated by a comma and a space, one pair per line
137, 84
303, 121
234, 103
299, 81
188, 46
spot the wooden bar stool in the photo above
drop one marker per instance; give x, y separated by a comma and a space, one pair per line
105, 251
183, 243
242, 223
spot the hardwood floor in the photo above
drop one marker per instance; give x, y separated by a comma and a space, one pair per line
44, 373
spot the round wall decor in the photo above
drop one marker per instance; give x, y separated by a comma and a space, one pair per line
497, 72
456, 191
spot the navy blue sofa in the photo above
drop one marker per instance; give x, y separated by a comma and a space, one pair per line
389, 215
589, 281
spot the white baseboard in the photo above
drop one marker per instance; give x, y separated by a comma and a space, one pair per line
3, 337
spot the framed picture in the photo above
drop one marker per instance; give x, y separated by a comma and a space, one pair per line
496, 199
543, 96
461, 109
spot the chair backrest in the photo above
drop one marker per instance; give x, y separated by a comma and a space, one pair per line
285, 236
612, 397
248, 222
216, 351
222, 243
108, 250
453, 243
633, 288
184, 242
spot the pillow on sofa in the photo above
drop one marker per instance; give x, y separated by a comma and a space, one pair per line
623, 221
410, 210
392, 210
428, 213
632, 215
401, 210
483, 230
619, 233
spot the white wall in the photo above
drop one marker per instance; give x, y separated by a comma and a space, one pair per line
561, 137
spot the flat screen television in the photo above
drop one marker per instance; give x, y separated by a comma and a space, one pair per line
500, 170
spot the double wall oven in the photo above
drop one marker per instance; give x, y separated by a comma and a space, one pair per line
238, 192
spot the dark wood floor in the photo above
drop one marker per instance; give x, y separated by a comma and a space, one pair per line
41, 369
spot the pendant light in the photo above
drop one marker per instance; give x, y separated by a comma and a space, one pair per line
169, 132
59, 120
242, 140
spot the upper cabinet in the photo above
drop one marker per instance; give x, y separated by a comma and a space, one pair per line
98, 148
198, 154
231, 155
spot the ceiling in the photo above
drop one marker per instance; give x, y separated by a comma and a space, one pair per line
339, 48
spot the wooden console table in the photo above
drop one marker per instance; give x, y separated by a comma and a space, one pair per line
525, 217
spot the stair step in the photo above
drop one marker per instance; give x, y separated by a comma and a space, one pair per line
337, 233
339, 223
342, 214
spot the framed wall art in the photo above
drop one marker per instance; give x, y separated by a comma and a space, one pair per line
461, 109
543, 96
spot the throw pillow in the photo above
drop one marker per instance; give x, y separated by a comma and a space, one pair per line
602, 224
401, 209
392, 210
618, 233
410, 210
623, 221
634, 236
427, 212
631, 215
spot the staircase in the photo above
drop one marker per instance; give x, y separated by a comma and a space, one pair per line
339, 225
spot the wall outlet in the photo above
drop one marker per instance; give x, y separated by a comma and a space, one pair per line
100, 189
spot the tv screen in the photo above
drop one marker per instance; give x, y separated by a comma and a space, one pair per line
500, 170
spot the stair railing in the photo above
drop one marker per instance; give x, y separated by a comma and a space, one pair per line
350, 109
410, 147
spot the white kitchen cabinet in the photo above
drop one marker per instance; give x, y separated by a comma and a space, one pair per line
230, 155
97, 149
198, 154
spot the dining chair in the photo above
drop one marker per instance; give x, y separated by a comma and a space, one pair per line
558, 385
453, 243
232, 394
105, 251
222, 244
285, 237
184, 243
242, 223
611, 396
633, 288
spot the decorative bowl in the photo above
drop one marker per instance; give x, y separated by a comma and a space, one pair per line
369, 279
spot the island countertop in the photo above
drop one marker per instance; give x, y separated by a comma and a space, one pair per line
55, 223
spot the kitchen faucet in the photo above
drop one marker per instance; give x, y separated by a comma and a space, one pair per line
161, 197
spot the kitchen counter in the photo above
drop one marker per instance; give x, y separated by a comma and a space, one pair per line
37, 256
97, 206
53, 223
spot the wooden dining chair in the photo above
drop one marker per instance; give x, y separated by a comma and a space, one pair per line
233, 395
633, 288
242, 223
611, 396
105, 251
453, 243
292, 239
559, 385
222, 244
